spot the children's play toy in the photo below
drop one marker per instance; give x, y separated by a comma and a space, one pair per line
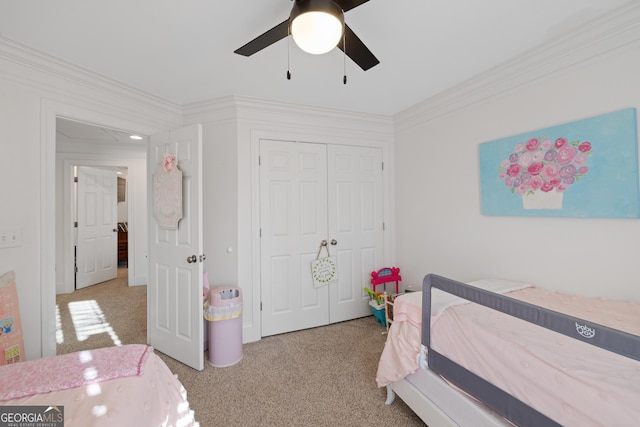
385, 275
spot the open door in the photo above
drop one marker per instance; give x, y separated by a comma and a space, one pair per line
174, 291
96, 248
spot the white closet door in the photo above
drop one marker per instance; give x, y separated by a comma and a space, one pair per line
293, 215
356, 225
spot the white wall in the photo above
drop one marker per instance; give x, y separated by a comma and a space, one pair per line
220, 202
20, 195
440, 228
123, 211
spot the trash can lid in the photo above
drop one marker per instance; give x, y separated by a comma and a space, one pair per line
225, 296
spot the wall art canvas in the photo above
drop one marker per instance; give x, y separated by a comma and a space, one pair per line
587, 168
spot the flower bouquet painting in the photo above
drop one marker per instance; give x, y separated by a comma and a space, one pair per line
587, 168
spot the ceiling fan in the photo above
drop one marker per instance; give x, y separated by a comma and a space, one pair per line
309, 10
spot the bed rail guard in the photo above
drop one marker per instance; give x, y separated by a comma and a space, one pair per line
508, 406
620, 342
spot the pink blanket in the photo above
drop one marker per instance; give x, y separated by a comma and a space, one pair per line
142, 391
71, 370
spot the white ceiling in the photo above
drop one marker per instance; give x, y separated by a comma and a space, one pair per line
182, 51
69, 131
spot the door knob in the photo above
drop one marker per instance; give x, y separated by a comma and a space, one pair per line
203, 257
334, 242
192, 259
323, 243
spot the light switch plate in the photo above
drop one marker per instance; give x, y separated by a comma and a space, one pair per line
11, 238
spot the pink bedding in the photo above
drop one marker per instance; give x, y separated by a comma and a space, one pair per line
572, 382
128, 385
400, 354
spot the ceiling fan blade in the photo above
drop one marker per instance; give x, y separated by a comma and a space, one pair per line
356, 50
349, 4
275, 34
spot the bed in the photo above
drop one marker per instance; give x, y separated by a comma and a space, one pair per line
501, 352
115, 386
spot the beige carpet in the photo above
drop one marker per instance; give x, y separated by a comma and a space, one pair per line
318, 377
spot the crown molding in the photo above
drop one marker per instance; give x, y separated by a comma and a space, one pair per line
47, 68
261, 111
598, 38
212, 110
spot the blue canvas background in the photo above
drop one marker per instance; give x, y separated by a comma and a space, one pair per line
608, 190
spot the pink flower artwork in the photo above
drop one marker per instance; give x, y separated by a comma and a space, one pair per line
586, 168
540, 164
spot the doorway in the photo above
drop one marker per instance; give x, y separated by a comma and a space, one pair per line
82, 145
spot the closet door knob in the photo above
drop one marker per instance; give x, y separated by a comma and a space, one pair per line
192, 259
334, 242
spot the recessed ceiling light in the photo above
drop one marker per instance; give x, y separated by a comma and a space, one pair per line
136, 137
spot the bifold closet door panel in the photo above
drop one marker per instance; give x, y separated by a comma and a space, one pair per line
293, 221
356, 226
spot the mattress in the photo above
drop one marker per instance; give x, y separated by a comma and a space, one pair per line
569, 381
124, 386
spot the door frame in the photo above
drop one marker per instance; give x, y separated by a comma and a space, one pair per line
50, 110
319, 136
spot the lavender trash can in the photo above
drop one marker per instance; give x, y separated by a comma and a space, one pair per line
223, 310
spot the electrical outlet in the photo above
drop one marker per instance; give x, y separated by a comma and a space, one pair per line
11, 238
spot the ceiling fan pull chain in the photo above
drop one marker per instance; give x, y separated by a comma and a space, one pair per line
289, 55
344, 57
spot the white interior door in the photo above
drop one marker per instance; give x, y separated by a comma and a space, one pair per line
355, 226
310, 193
97, 236
293, 216
174, 291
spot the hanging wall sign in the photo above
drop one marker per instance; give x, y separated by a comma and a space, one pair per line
324, 271
167, 193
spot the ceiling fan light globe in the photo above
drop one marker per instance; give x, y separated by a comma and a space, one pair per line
316, 32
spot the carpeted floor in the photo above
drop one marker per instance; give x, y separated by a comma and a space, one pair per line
317, 377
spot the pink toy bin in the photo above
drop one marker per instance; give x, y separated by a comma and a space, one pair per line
223, 310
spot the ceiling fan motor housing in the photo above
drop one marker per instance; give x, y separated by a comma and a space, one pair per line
304, 6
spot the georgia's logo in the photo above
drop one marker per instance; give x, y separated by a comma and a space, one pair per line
585, 331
